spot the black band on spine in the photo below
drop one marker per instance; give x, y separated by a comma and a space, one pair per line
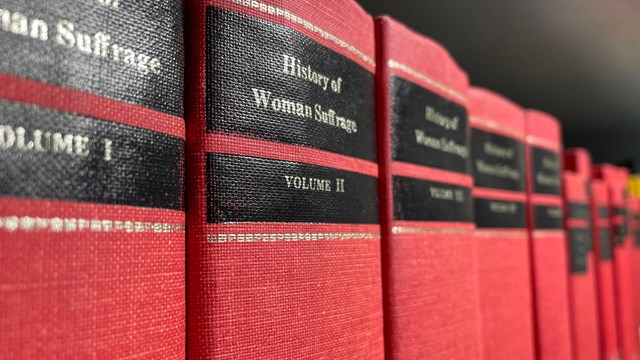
132, 53
269, 82
251, 189
48, 154
424, 200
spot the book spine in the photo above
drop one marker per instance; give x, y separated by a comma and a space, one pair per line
582, 295
616, 179
549, 254
91, 187
634, 230
602, 243
284, 235
428, 249
499, 198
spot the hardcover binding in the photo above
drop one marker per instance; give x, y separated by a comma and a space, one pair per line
91, 187
429, 255
548, 246
633, 205
634, 191
616, 179
504, 271
284, 235
582, 267
602, 243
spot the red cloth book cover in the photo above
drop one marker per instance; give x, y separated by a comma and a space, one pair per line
283, 218
549, 259
499, 196
616, 179
634, 191
92, 259
601, 235
636, 262
582, 267
429, 254
633, 207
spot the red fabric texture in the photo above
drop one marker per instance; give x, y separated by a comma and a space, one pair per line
303, 299
504, 271
604, 278
582, 286
86, 292
633, 204
616, 179
430, 285
549, 256
78, 102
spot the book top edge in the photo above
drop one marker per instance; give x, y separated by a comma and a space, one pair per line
425, 56
543, 125
489, 105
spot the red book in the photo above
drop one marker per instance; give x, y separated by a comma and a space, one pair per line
549, 257
601, 233
498, 165
634, 191
428, 248
616, 179
284, 235
92, 261
582, 268
634, 230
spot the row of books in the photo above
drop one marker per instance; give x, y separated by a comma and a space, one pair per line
338, 191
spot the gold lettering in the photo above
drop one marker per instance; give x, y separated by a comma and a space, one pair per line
7, 137
339, 185
63, 143
498, 151
432, 115
305, 183
503, 207
47, 142
107, 149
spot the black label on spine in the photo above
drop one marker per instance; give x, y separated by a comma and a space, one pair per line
269, 82
546, 171
620, 230
499, 214
620, 211
579, 211
605, 243
579, 240
130, 51
423, 200
498, 161
250, 189
547, 217
47, 154
428, 129
603, 213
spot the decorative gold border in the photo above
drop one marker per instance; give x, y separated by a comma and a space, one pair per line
56, 224
294, 18
492, 124
393, 64
502, 233
534, 140
547, 232
421, 230
288, 237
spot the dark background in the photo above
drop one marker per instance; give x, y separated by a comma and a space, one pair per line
576, 59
